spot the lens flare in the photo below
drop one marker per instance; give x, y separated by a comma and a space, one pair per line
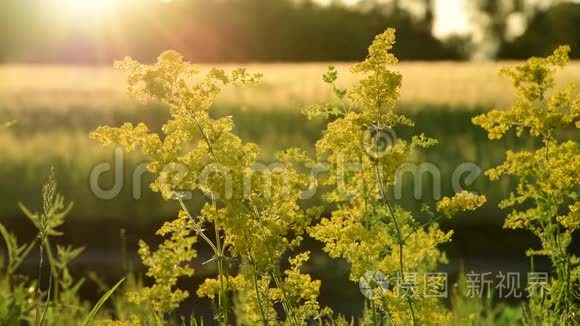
86, 8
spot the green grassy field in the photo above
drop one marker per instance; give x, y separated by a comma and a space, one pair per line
55, 107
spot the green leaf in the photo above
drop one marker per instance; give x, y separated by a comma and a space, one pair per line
32, 216
100, 303
11, 246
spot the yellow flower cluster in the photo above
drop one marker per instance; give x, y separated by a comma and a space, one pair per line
166, 265
530, 110
572, 219
366, 229
255, 212
545, 200
463, 201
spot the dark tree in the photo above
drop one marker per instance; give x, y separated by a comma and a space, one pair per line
548, 29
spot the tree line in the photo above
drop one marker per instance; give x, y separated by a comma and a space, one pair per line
272, 30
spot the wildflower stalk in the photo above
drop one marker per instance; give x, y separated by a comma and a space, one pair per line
359, 229
51, 216
191, 139
48, 197
273, 267
218, 253
383, 195
400, 239
257, 289
222, 297
218, 249
286, 304
545, 200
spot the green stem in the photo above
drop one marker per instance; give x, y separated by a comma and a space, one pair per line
392, 213
431, 221
257, 289
218, 253
399, 236
37, 320
219, 250
53, 269
220, 263
197, 228
286, 304
561, 260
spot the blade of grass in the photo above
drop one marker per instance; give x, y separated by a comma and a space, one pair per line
100, 303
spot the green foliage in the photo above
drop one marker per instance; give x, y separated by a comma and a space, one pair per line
23, 298
100, 303
545, 201
480, 311
16, 253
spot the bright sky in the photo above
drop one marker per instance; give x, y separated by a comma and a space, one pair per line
450, 16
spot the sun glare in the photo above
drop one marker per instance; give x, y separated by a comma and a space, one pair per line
86, 8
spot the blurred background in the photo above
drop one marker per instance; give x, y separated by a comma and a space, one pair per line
57, 84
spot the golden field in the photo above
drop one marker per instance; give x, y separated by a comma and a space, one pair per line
284, 85
55, 107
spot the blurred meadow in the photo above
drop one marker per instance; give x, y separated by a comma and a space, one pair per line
57, 84
54, 107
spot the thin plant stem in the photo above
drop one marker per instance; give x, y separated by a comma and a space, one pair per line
286, 304
219, 250
401, 241
431, 221
399, 236
222, 298
257, 289
274, 273
48, 293
37, 320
